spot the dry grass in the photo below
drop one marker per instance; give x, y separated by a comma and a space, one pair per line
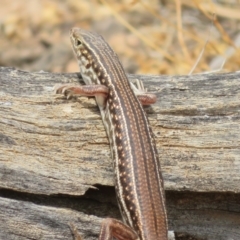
151, 37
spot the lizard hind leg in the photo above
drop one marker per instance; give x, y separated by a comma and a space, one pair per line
76, 235
115, 228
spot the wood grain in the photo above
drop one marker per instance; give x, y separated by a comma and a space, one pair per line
52, 148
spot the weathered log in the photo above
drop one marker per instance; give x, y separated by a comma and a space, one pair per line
55, 165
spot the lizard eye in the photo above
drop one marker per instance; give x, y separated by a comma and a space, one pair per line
78, 43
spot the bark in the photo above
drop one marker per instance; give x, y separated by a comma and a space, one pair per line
55, 165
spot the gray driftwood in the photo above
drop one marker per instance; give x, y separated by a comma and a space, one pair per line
55, 165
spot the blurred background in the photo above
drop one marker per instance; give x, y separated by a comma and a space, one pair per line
150, 37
